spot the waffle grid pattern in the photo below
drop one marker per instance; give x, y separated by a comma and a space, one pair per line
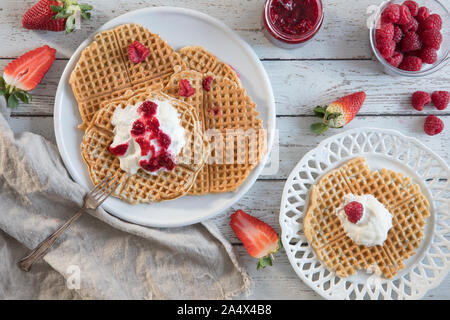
225, 107
105, 72
361, 180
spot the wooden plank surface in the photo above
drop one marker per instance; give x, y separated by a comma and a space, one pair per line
296, 90
335, 62
349, 41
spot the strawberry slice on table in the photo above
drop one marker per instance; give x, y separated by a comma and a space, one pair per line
260, 240
55, 15
24, 74
338, 113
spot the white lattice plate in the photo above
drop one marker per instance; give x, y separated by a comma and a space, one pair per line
383, 149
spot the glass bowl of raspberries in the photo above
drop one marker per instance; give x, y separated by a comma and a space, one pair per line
411, 38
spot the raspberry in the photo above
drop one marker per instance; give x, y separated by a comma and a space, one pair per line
411, 42
422, 14
412, 6
411, 63
411, 26
206, 83
185, 89
395, 59
440, 99
405, 15
138, 128
431, 38
387, 50
354, 211
385, 32
391, 14
137, 52
428, 55
415, 53
398, 34
419, 99
148, 108
434, 21
433, 125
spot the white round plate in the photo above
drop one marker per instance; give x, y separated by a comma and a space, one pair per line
179, 27
383, 149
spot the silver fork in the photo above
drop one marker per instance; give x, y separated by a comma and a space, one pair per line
92, 200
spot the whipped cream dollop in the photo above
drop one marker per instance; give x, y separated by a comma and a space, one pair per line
148, 140
373, 227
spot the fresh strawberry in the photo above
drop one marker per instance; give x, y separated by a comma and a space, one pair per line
24, 74
38, 15
338, 113
55, 15
260, 240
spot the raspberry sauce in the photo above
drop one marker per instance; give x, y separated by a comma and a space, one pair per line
290, 23
119, 150
151, 139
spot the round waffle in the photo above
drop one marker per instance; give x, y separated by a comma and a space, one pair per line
143, 187
395, 191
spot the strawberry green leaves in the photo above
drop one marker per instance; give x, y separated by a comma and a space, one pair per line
70, 11
326, 116
13, 95
338, 113
267, 261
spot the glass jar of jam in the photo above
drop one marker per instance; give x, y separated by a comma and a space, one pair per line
290, 23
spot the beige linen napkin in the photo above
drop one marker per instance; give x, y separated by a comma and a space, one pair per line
100, 257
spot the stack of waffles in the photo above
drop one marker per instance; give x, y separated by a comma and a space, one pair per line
396, 192
105, 78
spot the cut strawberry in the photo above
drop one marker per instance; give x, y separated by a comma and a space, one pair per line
55, 15
260, 240
137, 52
338, 113
25, 73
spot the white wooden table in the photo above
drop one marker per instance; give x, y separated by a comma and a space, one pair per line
337, 61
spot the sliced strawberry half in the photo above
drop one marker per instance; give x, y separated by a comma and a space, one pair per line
25, 73
260, 240
338, 113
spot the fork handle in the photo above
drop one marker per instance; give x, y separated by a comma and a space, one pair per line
26, 263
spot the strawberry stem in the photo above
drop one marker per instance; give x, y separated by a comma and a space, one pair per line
70, 10
13, 95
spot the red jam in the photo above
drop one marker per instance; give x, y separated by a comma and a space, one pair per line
119, 150
292, 22
206, 83
144, 130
